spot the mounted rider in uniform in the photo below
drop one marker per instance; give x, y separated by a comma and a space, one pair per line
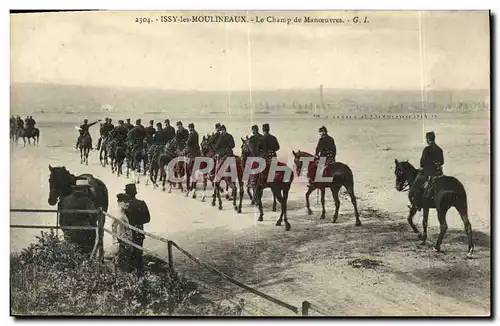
169, 131
136, 135
269, 144
225, 144
128, 125
105, 130
120, 133
181, 136
193, 143
84, 129
158, 141
431, 167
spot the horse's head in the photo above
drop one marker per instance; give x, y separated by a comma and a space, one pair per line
298, 160
205, 145
248, 148
405, 174
60, 183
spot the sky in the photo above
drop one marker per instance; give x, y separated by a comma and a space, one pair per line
394, 50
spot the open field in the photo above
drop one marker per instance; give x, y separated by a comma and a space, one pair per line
310, 262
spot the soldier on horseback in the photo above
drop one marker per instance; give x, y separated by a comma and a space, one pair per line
105, 130
431, 167
169, 131
181, 136
225, 143
120, 132
193, 142
326, 146
268, 143
150, 130
136, 135
128, 125
158, 141
84, 130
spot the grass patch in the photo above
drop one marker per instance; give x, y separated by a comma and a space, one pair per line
52, 277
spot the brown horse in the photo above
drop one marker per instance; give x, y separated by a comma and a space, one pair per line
342, 177
279, 185
220, 163
447, 192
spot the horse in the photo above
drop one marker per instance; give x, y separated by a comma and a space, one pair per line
342, 177
138, 154
207, 150
447, 192
31, 133
229, 181
61, 183
119, 154
104, 150
160, 160
85, 145
279, 186
244, 154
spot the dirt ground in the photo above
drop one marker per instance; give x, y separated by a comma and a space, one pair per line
378, 269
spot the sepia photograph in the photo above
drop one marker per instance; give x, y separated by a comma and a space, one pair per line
250, 163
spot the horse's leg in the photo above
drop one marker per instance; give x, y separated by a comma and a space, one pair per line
258, 190
188, 180
350, 191
242, 193
412, 213
308, 193
425, 221
214, 195
462, 210
203, 196
233, 193
286, 189
163, 178
323, 212
81, 155
443, 228
274, 203
219, 198
277, 191
87, 150
335, 193
252, 201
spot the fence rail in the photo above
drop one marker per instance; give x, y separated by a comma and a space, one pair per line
100, 229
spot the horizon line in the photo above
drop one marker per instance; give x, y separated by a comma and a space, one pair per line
245, 90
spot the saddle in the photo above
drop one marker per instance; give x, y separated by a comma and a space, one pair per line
428, 187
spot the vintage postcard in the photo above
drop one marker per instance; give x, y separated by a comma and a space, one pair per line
250, 163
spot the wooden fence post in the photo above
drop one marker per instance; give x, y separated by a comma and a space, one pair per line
305, 308
100, 225
170, 255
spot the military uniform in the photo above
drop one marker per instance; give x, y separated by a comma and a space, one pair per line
128, 125
158, 142
431, 163
136, 135
193, 144
181, 136
326, 147
169, 132
224, 146
268, 145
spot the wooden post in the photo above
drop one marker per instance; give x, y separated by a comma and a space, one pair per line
100, 225
170, 255
305, 308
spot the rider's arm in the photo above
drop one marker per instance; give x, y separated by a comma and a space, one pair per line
277, 144
423, 158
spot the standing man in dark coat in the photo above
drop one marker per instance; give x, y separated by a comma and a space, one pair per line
181, 136
128, 125
169, 131
193, 142
431, 166
138, 215
269, 144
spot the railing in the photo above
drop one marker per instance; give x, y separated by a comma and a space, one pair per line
98, 245
100, 229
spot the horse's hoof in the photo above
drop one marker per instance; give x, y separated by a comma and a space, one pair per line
203, 199
260, 219
239, 211
334, 220
252, 202
322, 217
288, 227
220, 208
278, 223
437, 249
358, 223
274, 209
309, 212
213, 204
194, 196
469, 255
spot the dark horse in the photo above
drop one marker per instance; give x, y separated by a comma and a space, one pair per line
118, 153
160, 160
61, 183
278, 183
85, 145
341, 176
31, 133
447, 192
103, 150
244, 154
138, 155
